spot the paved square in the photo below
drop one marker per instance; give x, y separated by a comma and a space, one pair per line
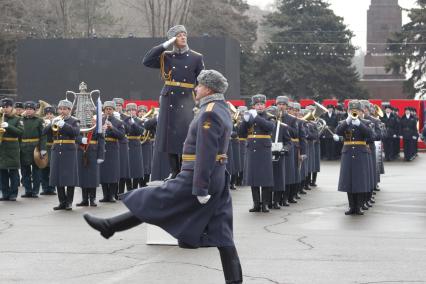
311, 242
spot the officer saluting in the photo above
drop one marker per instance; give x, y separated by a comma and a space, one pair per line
196, 207
63, 164
179, 69
354, 169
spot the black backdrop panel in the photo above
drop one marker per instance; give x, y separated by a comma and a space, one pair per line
48, 68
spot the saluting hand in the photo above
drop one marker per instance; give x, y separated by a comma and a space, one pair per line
4, 125
203, 199
169, 42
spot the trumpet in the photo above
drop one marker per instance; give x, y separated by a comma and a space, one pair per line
54, 123
354, 114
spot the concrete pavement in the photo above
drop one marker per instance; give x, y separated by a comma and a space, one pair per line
310, 242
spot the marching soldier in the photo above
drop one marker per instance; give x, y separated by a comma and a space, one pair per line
125, 180
409, 134
397, 140
19, 108
300, 154
257, 127
63, 164
354, 175
235, 146
179, 69
391, 122
32, 137
329, 144
204, 215
11, 130
47, 189
135, 146
142, 110
110, 168
91, 153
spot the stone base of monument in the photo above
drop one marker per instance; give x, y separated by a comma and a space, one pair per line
157, 236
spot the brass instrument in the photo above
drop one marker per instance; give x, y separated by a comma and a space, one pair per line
54, 123
149, 115
315, 116
235, 113
378, 111
354, 114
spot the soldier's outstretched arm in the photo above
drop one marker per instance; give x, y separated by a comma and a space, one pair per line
209, 132
17, 130
152, 58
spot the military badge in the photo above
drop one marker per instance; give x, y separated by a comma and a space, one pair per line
207, 124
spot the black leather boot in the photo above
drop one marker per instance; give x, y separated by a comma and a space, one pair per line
105, 192
255, 192
62, 199
70, 197
113, 188
358, 199
108, 226
92, 197
314, 180
351, 202
85, 198
231, 265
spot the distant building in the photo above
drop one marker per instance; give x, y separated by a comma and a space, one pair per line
384, 17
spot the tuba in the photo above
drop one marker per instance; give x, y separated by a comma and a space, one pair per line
83, 107
150, 114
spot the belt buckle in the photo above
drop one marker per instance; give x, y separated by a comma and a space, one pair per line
177, 83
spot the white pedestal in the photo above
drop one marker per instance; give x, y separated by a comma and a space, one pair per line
157, 236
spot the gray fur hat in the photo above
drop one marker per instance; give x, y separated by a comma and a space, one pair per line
174, 31
242, 108
65, 103
118, 101
259, 98
109, 104
365, 104
131, 106
142, 108
213, 80
282, 100
296, 106
354, 105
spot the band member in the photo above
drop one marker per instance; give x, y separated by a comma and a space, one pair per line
91, 153
397, 140
32, 137
409, 134
328, 143
110, 168
235, 151
354, 169
300, 153
179, 69
148, 137
290, 163
391, 123
204, 215
242, 147
125, 180
19, 108
47, 189
142, 110
257, 127
280, 135
11, 129
63, 164
135, 146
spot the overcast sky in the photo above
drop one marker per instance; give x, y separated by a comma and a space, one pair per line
354, 13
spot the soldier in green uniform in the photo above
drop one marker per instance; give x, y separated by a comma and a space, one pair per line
11, 128
32, 137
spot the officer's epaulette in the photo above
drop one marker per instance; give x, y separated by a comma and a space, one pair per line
168, 52
210, 107
196, 53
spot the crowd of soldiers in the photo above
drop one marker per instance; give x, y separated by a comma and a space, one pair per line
122, 157
118, 158
396, 128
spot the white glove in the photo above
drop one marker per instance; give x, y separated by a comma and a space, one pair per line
303, 157
132, 121
400, 137
43, 153
349, 119
356, 122
99, 161
246, 117
203, 199
4, 125
166, 44
394, 136
336, 137
414, 137
60, 123
253, 113
84, 140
